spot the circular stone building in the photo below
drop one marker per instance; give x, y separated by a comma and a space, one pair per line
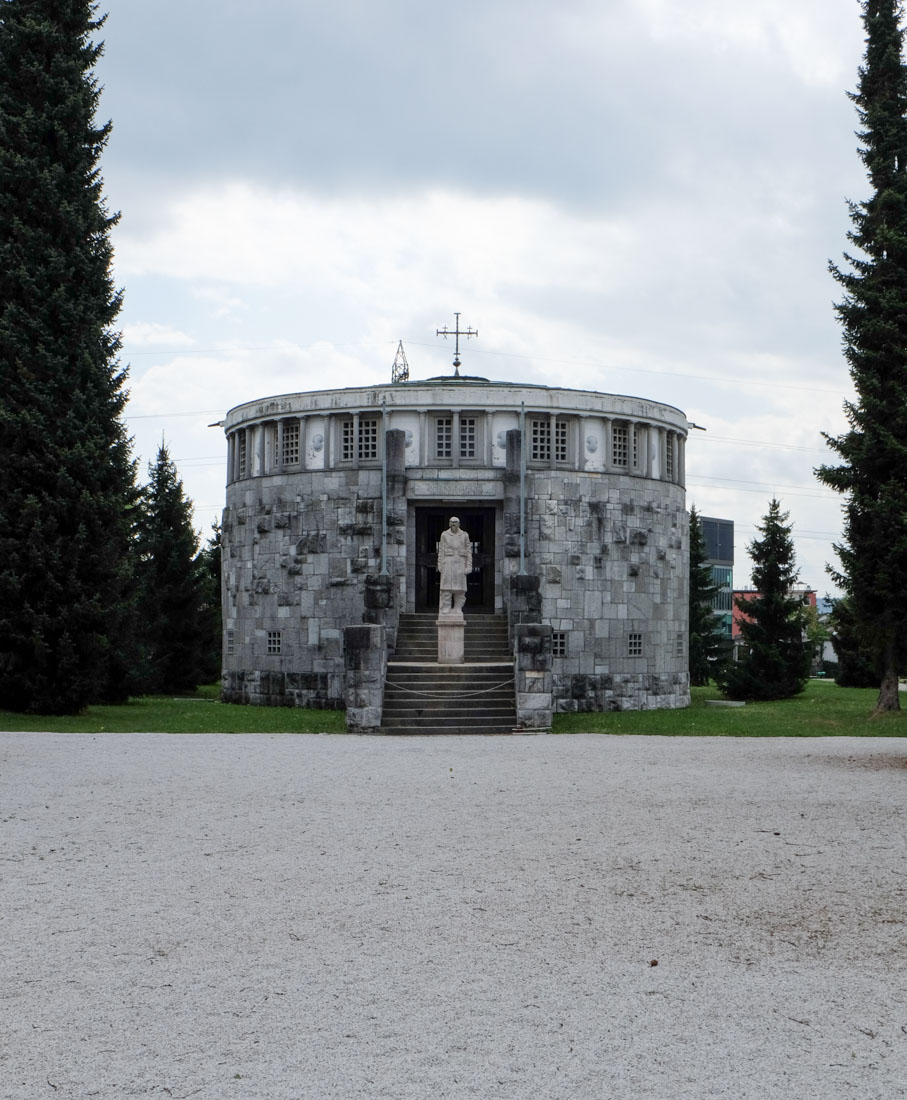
573, 502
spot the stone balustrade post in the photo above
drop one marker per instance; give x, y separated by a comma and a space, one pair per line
534, 699
364, 670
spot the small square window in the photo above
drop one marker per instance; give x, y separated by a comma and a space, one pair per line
634, 645
559, 643
273, 641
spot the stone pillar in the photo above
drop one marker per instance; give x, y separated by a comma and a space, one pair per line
364, 670
534, 700
512, 498
395, 442
525, 604
451, 638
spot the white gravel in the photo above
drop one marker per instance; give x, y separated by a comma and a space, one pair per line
316, 917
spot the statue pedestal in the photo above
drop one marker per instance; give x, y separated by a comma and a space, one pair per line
450, 638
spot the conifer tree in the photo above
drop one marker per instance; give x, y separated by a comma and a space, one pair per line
175, 628
66, 472
776, 662
873, 315
856, 665
706, 641
209, 563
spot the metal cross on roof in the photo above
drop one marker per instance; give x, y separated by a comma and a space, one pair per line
457, 332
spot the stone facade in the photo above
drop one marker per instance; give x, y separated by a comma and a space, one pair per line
334, 501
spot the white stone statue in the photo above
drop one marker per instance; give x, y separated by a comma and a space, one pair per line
454, 562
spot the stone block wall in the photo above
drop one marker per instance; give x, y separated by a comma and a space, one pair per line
301, 555
611, 558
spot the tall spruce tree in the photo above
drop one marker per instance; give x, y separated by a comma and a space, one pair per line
776, 662
706, 641
175, 628
873, 316
66, 472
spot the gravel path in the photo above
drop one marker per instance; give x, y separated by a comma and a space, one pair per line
271, 917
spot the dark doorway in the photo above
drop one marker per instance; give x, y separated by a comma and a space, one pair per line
478, 523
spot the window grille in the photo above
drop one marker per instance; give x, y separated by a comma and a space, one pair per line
634, 446
241, 452
273, 641
231, 642
289, 448
467, 437
559, 643
443, 436
366, 446
634, 645
669, 457
678, 646
560, 441
347, 452
619, 445
540, 440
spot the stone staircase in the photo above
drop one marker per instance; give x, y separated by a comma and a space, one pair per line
423, 697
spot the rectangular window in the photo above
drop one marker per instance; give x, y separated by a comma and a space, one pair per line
634, 645
634, 446
289, 447
368, 437
619, 445
443, 436
559, 643
363, 447
347, 452
231, 642
467, 437
540, 440
669, 457
274, 641
560, 441
241, 453
678, 646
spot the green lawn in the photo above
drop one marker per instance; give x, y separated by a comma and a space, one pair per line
823, 710
199, 713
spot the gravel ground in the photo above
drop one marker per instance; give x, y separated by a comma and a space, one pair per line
552, 917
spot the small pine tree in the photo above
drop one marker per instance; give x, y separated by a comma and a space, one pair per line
776, 663
706, 640
67, 479
873, 315
173, 590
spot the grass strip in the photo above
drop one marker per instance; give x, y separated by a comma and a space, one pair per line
201, 712
823, 710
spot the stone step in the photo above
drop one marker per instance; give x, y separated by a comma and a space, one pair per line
422, 696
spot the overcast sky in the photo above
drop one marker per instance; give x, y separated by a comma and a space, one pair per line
630, 196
